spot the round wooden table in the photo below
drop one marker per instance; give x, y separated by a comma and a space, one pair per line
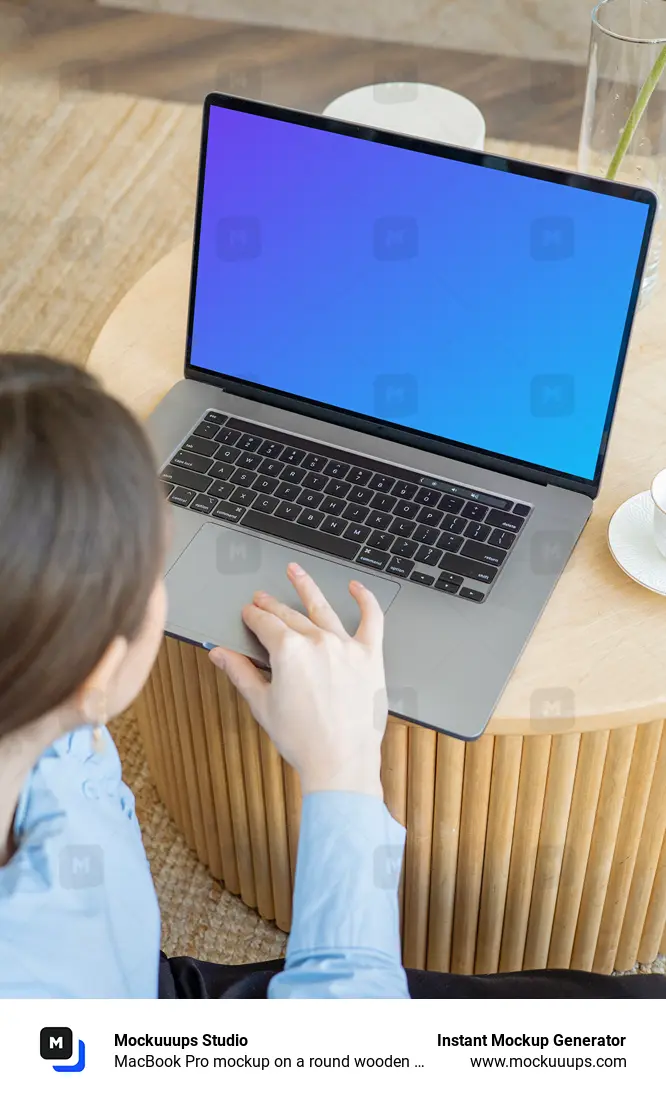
543, 844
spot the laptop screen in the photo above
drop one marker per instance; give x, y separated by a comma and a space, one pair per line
476, 305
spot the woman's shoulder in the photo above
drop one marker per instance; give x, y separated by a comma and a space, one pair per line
83, 745
76, 777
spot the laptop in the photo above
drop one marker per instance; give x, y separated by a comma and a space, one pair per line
402, 364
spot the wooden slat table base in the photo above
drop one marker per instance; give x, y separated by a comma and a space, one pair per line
522, 852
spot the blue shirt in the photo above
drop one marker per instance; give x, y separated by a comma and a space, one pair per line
79, 915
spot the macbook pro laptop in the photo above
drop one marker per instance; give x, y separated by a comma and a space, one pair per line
402, 364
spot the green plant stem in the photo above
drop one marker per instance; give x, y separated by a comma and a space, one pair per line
637, 113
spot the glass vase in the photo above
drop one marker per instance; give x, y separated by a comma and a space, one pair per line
623, 133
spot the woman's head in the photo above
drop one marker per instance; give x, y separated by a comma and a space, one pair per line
81, 546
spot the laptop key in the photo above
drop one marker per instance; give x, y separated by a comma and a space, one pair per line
337, 488
449, 578
404, 548
317, 481
266, 504
186, 478
360, 496
302, 535
310, 518
488, 555
222, 471
229, 436
404, 490
450, 503
333, 524
206, 430
292, 456
293, 475
447, 585
201, 446
428, 496
522, 510
218, 418
269, 449
227, 454
310, 499
478, 531
454, 523
406, 510
271, 468
380, 540
502, 539
285, 491
427, 535
423, 578
373, 558
472, 594
332, 506
380, 483
221, 489
512, 523
337, 469
228, 511
403, 527
400, 566
356, 532
288, 511
465, 567
266, 484
448, 541
249, 461
204, 504
428, 555
383, 502
243, 477
378, 520
250, 442
359, 476
430, 517
315, 462
356, 513
198, 462
243, 496
181, 496
475, 511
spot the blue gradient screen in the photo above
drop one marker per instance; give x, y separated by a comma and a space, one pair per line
476, 305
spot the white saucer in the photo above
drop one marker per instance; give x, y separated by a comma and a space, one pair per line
631, 541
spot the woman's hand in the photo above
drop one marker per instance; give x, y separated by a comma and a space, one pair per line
325, 705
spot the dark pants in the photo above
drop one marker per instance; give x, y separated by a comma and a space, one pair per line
188, 979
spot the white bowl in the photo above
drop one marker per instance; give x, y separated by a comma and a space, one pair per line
420, 110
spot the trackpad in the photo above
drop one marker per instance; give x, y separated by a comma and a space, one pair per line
220, 570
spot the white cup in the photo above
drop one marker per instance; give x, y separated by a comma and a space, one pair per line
658, 493
419, 110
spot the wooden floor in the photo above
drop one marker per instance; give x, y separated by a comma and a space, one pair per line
181, 58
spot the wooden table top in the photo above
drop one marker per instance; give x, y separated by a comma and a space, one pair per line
601, 641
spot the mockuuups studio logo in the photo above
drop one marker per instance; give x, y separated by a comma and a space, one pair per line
238, 239
553, 710
56, 1043
238, 555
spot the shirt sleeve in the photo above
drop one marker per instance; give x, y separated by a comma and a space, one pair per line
345, 935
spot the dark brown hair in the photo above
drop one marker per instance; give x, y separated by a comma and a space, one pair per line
81, 532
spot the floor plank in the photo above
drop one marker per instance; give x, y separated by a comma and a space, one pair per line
180, 58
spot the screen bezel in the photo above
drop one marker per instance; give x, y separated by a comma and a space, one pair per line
383, 428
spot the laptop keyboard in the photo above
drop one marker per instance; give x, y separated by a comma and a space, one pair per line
440, 534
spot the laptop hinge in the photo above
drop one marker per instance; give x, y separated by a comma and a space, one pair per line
385, 431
